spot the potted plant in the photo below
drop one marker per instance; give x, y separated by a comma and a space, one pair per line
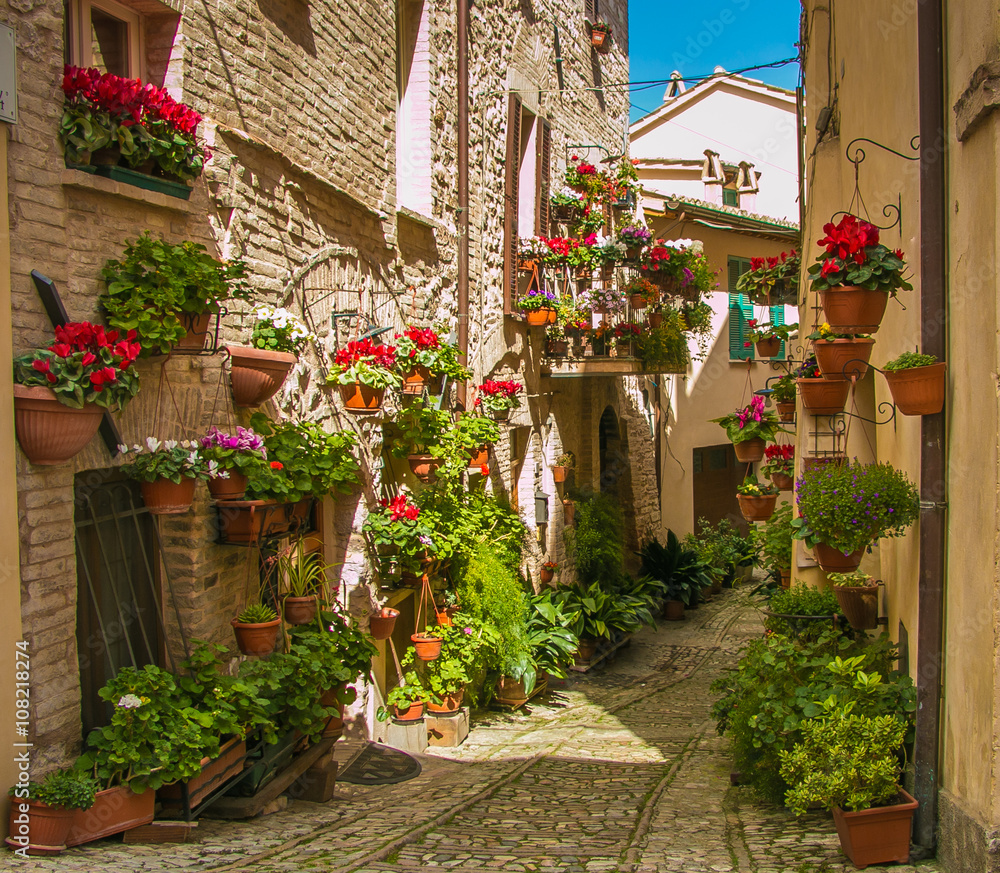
382, 622
363, 371
776, 544
167, 472
257, 371
841, 355
404, 702
231, 460
820, 396
600, 36
848, 762
304, 576
767, 338
779, 466
497, 399
583, 177
856, 275
634, 237
565, 204
42, 813
857, 594
757, 500
60, 392
844, 508
421, 435
772, 281
627, 335
679, 570
550, 636
664, 349
564, 463
548, 572
916, 383
256, 629
538, 306
749, 428
783, 393
168, 293
464, 650
473, 435
423, 360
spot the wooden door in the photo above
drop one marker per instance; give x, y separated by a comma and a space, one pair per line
717, 475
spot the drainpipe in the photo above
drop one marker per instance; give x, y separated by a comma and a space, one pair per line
933, 491
463, 190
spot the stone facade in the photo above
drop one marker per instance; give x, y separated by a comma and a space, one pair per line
299, 105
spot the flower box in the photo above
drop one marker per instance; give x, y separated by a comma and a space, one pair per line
215, 772
142, 180
264, 765
115, 810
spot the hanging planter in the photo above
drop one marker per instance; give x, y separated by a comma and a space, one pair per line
247, 521
49, 432
255, 375
823, 396
163, 497
654, 320
197, 330
600, 36
638, 301
427, 647
360, 399
749, 451
852, 309
424, 467
859, 603
782, 481
769, 347
256, 638
569, 512
757, 508
232, 488
479, 457
540, 317
300, 610
843, 358
786, 411
832, 560
421, 378
916, 390
381, 625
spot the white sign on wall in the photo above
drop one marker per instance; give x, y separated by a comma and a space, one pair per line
8, 75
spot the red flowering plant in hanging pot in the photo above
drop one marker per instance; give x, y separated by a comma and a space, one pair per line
60, 391
779, 465
584, 177
750, 428
772, 281
768, 337
362, 371
398, 538
497, 399
422, 359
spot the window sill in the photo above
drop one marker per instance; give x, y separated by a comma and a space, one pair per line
418, 218
88, 182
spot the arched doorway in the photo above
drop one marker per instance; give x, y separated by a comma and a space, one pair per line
616, 471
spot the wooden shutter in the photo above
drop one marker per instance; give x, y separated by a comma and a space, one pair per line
778, 317
543, 176
590, 9
740, 311
513, 167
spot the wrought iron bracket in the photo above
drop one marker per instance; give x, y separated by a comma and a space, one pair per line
857, 158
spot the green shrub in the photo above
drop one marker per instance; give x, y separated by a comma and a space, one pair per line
597, 545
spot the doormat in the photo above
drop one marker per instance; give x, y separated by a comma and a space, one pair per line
380, 765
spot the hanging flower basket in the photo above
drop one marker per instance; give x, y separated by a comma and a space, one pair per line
860, 605
232, 488
381, 625
420, 378
300, 610
361, 399
256, 374
638, 301
540, 317
786, 411
246, 521
757, 508
823, 396
834, 561
197, 330
424, 467
49, 432
840, 359
852, 309
256, 639
654, 320
427, 647
782, 481
769, 348
163, 497
749, 451
600, 38
917, 390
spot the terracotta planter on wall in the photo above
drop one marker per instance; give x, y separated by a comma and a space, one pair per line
361, 399
919, 390
823, 396
840, 359
419, 378
559, 474
164, 497
49, 432
256, 639
232, 488
115, 810
860, 605
786, 411
850, 309
540, 317
257, 374
300, 610
749, 451
546, 576
424, 466
246, 521
878, 835
480, 458
834, 561
197, 330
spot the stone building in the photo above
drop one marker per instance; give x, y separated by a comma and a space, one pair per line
335, 131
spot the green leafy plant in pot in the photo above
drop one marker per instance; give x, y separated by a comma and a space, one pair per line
258, 371
681, 572
916, 382
41, 813
405, 701
167, 472
303, 579
748, 429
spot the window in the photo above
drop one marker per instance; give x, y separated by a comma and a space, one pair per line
413, 109
106, 35
741, 311
730, 197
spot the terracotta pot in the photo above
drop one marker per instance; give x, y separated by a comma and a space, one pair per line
850, 309
414, 712
361, 399
256, 639
552, 316
673, 610
427, 647
109, 156
510, 692
585, 650
860, 605
811, 463
424, 466
334, 728
45, 830
559, 474
546, 575
840, 359
164, 497
410, 580
786, 411
834, 561
419, 378
783, 481
823, 396
879, 835
49, 432
757, 508
569, 512
115, 810
380, 626
256, 374
598, 38
539, 317
749, 451
449, 704
481, 457
654, 319
215, 772
246, 521
769, 347
197, 329
300, 610
232, 488
919, 390
637, 301
443, 618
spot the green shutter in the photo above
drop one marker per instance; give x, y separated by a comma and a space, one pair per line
740, 311
730, 197
778, 317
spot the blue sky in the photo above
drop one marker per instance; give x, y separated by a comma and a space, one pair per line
696, 37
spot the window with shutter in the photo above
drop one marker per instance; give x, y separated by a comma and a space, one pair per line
590, 9
740, 312
510, 201
543, 179
778, 317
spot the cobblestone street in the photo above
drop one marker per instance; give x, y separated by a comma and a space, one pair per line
618, 770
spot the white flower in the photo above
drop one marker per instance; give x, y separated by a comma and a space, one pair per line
216, 472
129, 701
122, 449
170, 445
136, 448
263, 313
153, 444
